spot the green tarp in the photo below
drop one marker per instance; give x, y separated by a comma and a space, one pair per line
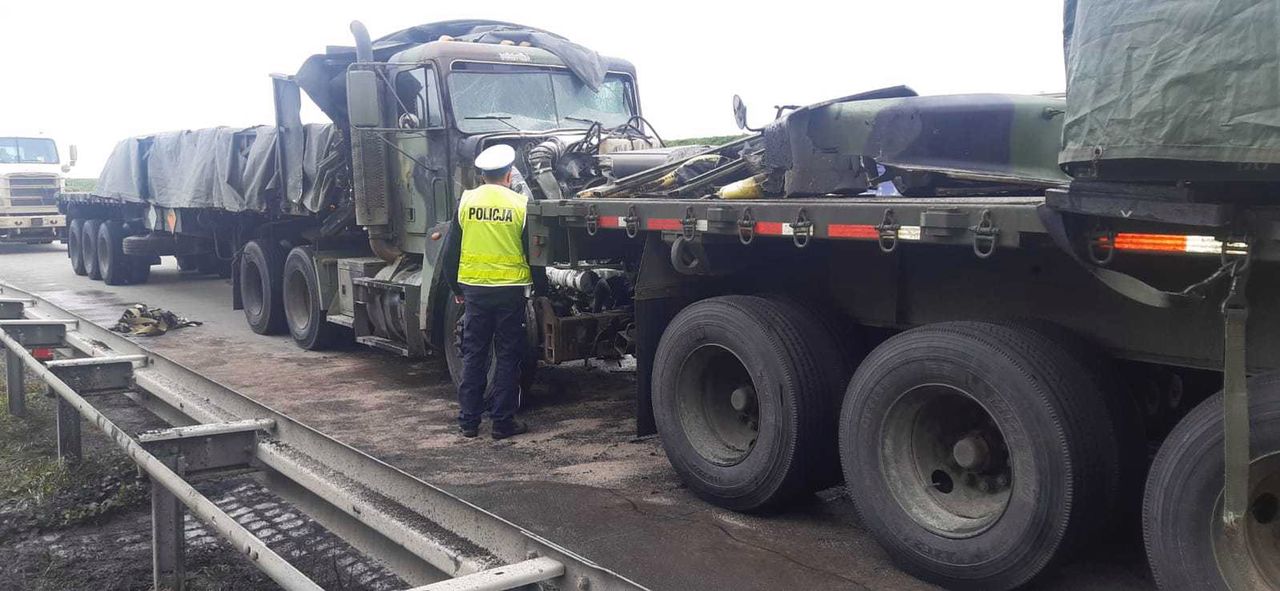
1186, 80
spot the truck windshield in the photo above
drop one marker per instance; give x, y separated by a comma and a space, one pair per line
27, 150
535, 101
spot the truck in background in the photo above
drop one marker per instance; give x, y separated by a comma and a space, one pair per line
32, 174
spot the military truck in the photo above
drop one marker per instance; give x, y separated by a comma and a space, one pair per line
32, 173
905, 293
331, 231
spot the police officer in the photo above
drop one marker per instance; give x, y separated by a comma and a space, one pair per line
486, 265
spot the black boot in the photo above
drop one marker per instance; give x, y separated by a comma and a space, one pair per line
509, 430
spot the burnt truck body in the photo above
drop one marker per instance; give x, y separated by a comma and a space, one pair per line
907, 293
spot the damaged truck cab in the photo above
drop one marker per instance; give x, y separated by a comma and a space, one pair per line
416, 119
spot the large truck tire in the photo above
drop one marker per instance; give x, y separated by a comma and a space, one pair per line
1182, 518
74, 251
453, 312
89, 248
978, 455
838, 347
741, 403
113, 265
261, 279
302, 305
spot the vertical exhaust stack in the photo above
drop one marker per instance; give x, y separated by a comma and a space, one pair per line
364, 45
369, 152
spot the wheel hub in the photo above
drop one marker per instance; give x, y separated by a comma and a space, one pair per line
742, 399
718, 405
971, 453
946, 461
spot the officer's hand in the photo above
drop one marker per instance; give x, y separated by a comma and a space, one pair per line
457, 299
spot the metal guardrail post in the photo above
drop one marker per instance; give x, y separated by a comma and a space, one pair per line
167, 541
14, 382
68, 424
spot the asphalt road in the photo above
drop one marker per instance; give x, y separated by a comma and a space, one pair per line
580, 478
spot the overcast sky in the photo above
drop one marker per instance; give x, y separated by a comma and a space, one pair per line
93, 72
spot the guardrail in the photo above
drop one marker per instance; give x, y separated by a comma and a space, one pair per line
423, 533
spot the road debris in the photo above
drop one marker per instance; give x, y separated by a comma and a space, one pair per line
142, 320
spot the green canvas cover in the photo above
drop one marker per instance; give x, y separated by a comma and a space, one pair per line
1185, 80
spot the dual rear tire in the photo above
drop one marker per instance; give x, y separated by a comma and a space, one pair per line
744, 396
978, 454
261, 286
96, 249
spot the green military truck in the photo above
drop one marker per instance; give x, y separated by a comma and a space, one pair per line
984, 336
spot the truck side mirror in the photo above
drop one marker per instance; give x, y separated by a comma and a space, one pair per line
363, 108
75, 154
739, 112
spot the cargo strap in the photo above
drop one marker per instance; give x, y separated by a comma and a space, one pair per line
1123, 283
1235, 312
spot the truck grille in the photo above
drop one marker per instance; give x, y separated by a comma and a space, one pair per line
33, 190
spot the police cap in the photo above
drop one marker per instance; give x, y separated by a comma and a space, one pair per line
495, 159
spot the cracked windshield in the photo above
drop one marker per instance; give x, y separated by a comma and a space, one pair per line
535, 101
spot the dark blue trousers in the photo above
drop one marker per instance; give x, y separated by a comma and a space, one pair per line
494, 318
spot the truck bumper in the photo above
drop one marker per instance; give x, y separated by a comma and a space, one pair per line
32, 228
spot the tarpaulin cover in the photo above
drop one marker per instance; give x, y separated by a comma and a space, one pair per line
1172, 79
218, 168
322, 76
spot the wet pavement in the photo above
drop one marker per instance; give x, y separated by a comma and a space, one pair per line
580, 478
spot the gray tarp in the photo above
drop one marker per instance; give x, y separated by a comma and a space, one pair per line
323, 77
1172, 79
217, 168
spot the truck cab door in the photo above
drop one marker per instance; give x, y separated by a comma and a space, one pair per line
422, 161
425, 175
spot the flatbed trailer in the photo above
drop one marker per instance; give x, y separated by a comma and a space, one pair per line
1128, 294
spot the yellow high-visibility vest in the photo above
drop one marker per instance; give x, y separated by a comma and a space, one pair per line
492, 221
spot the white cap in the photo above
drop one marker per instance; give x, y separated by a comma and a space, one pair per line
496, 158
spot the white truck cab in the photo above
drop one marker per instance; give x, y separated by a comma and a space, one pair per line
32, 174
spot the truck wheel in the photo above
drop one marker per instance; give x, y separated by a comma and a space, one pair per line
261, 276
302, 309
139, 270
89, 248
977, 454
453, 353
188, 262
739, 401
1182, 518
112, 263
74, 250
838, 346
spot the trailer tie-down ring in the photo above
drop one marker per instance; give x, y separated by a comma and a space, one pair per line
801, 229
746, 227
593, 220
985, 236
887, 232
632, 222
689, 225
